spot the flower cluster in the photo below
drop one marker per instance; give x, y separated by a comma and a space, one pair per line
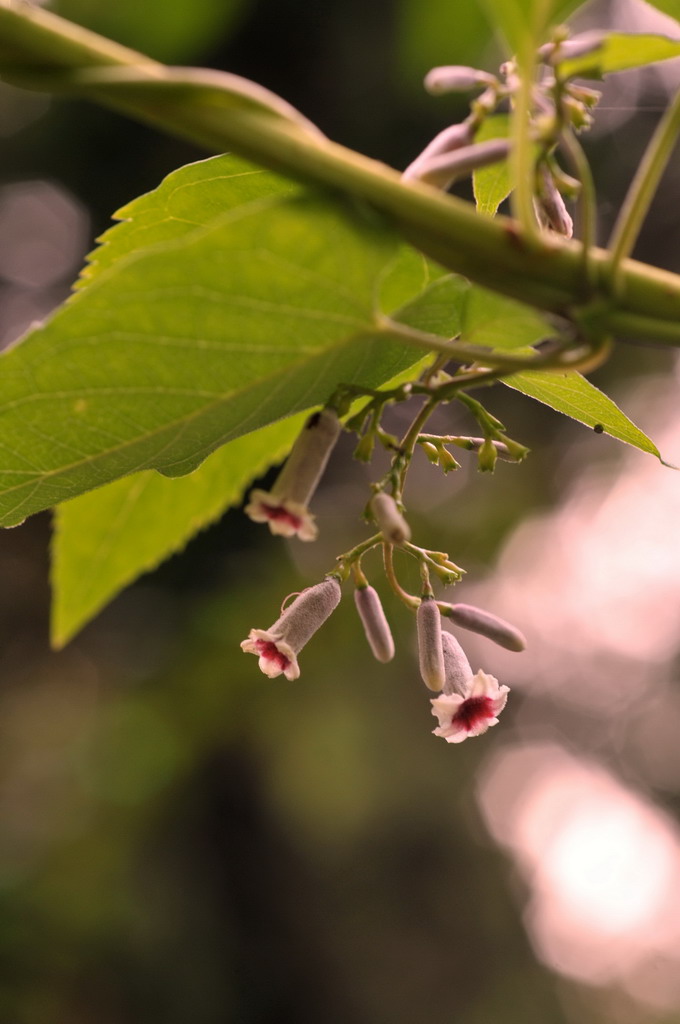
560, 109
466, 704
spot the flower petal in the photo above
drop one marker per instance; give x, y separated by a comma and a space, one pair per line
285, 518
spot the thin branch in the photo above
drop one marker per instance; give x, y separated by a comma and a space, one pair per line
41, 49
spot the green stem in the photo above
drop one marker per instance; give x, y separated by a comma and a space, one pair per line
409, 600
562, 358
587, 200
641, 192
345, 561
223, 112
409, 441
521, 157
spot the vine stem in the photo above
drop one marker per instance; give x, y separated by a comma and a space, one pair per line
345, 562
223, 112
587, 357
587, 200
642, 190
410, 439
408, 599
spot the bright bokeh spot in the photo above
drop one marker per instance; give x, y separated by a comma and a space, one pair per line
601, 863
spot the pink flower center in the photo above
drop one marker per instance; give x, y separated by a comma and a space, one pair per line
473, 711
280, 514
270, 652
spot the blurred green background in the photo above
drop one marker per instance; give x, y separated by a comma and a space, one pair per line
184, 840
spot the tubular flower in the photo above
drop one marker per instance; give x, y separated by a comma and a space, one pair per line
279, 646
470, 715
486, 624
390, 521
457, 671
284, 508
375, 624
430, 651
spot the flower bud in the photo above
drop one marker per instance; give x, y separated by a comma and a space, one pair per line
487, 456
452, 138
447, 461
486, 624
508, 450
550, 207
431, 451
457, 670
374, 622
284, 508
569, 49
456, 78
390, 521
430, 651
442, 170
278, 646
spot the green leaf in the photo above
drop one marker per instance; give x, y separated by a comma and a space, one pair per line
491, 185
619, 52
104, 539
493, 321
439, 309
191, 197
573, 395
191, 343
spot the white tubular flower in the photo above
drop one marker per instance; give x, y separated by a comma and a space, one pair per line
430, 651
285, 507
457, 671
471, 715
376, 626
279, 646
390, 521
486, 624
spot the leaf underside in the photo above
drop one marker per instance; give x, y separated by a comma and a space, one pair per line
227, 302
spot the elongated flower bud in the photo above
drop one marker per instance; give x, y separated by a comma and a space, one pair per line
284, 508
309, 456
278, 646
442, 170
457, 670
486, 624
456, 78
430, 651
552, 213
570, 49
391, 523
374, 622
452, 138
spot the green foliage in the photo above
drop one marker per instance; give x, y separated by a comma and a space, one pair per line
619, 52
104, 539
193, 342
491, 185
230, 300
190, 197
495, 322
573, 395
